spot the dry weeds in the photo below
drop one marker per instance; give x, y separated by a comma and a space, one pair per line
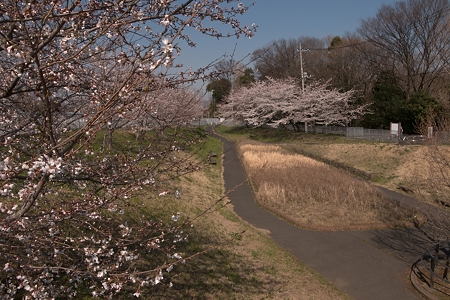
390, 165
244, 262
420, 169
314, 194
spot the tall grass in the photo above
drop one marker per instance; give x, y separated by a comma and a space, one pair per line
312, 193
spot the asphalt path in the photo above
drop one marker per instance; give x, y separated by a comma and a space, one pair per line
366, 264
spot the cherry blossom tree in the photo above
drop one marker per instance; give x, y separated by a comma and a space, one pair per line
278, 102
166, 107
68, 69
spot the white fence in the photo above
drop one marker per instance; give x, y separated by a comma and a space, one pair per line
206, 121
379, 135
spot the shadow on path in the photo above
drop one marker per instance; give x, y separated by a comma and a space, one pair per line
367, 265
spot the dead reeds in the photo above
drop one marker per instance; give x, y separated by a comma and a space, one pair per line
314, 194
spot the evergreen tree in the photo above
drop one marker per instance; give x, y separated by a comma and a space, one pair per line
248, 77
388, 100
220, 88
390, 104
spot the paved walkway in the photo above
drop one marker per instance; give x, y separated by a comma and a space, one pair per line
367, 265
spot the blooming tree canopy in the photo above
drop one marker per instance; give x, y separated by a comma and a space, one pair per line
88, 62
166, 107
276, 102
172, 107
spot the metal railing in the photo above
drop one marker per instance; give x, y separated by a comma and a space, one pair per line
436, 261
379, 135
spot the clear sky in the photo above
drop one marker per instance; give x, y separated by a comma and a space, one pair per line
287, 19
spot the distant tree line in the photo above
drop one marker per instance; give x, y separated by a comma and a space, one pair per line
396, 64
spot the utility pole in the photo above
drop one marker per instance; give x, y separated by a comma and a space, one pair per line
302, 77
301, 68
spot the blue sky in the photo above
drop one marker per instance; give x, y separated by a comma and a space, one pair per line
278, 19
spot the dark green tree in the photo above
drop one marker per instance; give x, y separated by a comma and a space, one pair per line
390, 104
416, 108
335, 42
248, 77
219, 88
387, 100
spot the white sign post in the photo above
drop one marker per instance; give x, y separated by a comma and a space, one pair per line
396, 129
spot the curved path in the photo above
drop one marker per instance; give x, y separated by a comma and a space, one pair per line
365, 264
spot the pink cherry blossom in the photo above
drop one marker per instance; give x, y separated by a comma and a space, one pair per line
279, 102
71, 73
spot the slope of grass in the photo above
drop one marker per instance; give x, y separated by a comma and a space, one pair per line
242, 262
235, 260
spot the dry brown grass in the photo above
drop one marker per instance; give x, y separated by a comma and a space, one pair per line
244, 262
422, 169
314, 194
390, 165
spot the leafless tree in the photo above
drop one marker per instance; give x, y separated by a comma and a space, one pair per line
412, 39
281, 58
432, 181
345, 68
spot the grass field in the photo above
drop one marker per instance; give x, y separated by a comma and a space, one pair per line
313, 194
419, 171
237, 261
272, 160
387, 165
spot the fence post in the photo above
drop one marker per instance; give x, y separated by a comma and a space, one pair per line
446, 268
447, 263
434, 259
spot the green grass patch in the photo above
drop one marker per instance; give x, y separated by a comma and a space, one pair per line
272, 135
237, 260
229, 215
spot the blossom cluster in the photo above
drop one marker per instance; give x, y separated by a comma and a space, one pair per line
277, 102
71, 73
111, 258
